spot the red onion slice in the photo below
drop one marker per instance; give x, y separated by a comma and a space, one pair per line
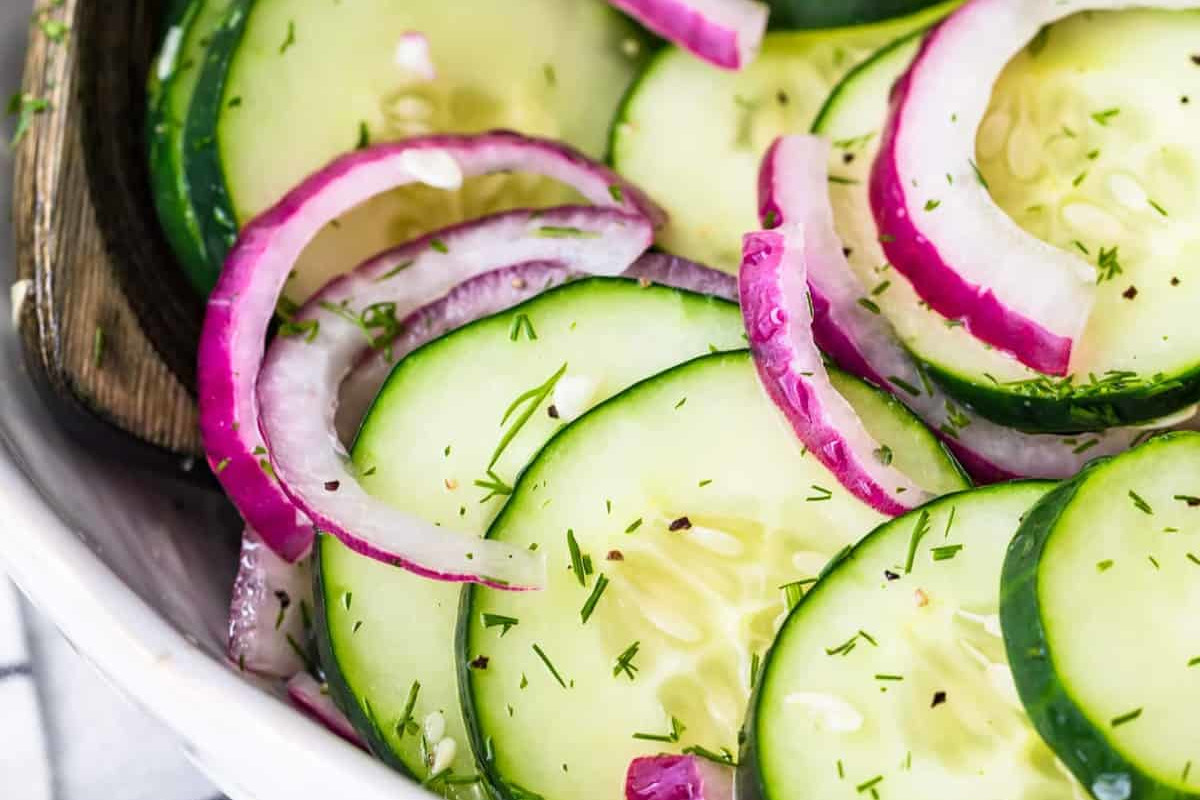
773, 287
299, 383
312, 698
266, 625
726, 33
939, 225
666, 777
668, 270
794, 189
242, 305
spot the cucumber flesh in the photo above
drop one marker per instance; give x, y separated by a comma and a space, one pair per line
895, 679
1099, 605
695, 517
444, 402
687, 127
329, 70
1086, 155
179, 68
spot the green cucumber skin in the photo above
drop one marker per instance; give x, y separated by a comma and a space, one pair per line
787, 14
339, 685
203, 171
169, 185
748, 777
1061, 723
1073, 414
480, 746
1033, 414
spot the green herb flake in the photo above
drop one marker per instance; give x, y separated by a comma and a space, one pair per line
885, 677
677, 729
931, 205
403, 724
918, 533
883, 454
946, 552
820, 494
364, 136
724, 758
1105, 116
576, 558
869, 305
1105, 565
705, 482
521, 324
880, 289
54, 30
1128, 716
589, 606
98, 342
625, 665
978, 175
1158, 208
905, 385
550, 666
439, 246
565, 232
290, 39
842, 181
844, 648
868, 785
25, 107
1139, 503
499, 621
1108, 265
616, 193
633, 526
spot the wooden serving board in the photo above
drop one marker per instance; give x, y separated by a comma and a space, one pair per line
110, 325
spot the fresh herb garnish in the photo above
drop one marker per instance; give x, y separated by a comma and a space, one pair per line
1128, 716
1139, 503
565, 232
905, 385
500, 621
545, 660
377, 322
633, 526
531, 399
625, 663
521, 324
724, 757
821, 494
589, 605
25, 107
1105, 116
290, 39
1105, 565
869, 305
931, 205
946, 552
883, 454
576, 558
919, 532
1107, 264
677, 728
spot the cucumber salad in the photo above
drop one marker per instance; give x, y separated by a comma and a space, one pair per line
699, 399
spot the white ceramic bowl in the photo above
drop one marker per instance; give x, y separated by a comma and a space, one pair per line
135, 571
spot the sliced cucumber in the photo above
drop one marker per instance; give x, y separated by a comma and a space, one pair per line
328, 72
430, 436
1100, 602
823, 14
178, 70
692, 135
1087, 155
890, 674
672, 516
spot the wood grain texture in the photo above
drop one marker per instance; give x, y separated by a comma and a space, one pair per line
88, 239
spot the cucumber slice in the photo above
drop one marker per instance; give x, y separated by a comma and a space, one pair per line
692, 136
328, 70
434, 402
690, 504
178, 70
823, 14
1099, 610
890, 674
444, 402
1080, 151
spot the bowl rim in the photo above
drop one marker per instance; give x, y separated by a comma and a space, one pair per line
250, 743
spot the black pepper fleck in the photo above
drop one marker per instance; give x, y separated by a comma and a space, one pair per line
552, 411
1130, 293
891, 576
332, 486
939, 697
681, 524
479, 662
615, 555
